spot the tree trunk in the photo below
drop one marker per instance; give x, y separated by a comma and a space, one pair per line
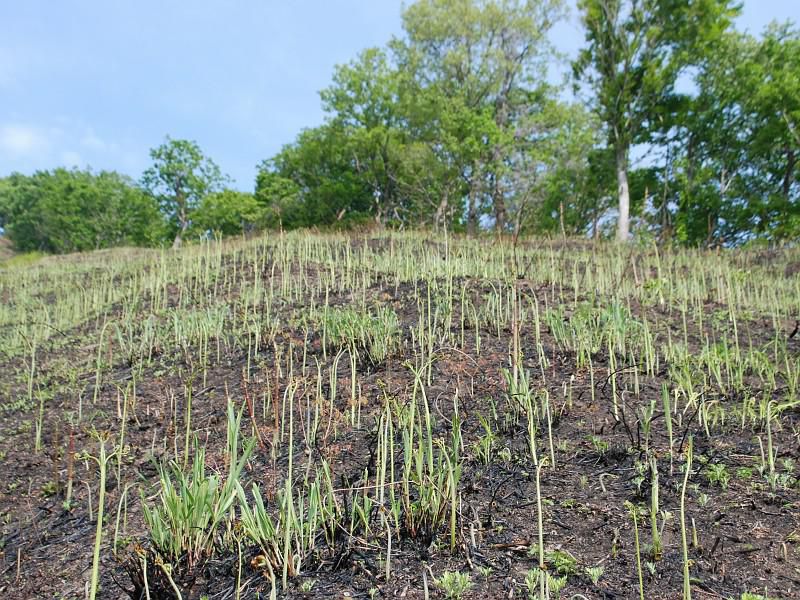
472, 202
499, 202
623, 222
387, 191
472, 216
182, 227
441, 212
183, 221
711, 225
501, 120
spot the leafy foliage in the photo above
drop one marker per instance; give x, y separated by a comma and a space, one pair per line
180, 177
228, 213
71, 210
193, 504
455, 125
635, 52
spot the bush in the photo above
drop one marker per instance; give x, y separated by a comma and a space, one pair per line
64, 210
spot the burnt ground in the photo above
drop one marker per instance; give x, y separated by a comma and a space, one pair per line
743, 536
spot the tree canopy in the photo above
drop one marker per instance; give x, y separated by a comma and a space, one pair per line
679, 127
71, 210
180, 177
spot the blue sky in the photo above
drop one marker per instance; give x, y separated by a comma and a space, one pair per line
100, 82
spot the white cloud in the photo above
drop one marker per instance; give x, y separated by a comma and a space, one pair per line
71, 159
94, 142
65, 142
21, 141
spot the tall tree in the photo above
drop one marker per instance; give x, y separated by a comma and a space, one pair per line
730, 170
327, 187
636, 50
394, 140
278, 196
477, 61
568, 177
363, 102
180, 177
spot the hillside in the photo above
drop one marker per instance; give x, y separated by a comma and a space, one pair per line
422, 414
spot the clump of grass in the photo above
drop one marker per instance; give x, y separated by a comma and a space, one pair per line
431, 469
288, 539
377, 334
191, 505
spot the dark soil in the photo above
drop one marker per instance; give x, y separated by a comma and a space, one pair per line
743, 536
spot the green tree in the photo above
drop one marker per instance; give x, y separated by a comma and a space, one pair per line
574, 170
5, 202
364, 103
475, 64
636, 50
437, 128
228, 212
278, 196
180, 177
329, 188
730, 169
747, 142
72, 210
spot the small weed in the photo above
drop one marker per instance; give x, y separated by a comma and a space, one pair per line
563, 562
595, 573
50, 489
599, 445
717, 474
453, 584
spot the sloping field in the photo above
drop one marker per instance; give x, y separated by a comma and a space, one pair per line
401, 415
